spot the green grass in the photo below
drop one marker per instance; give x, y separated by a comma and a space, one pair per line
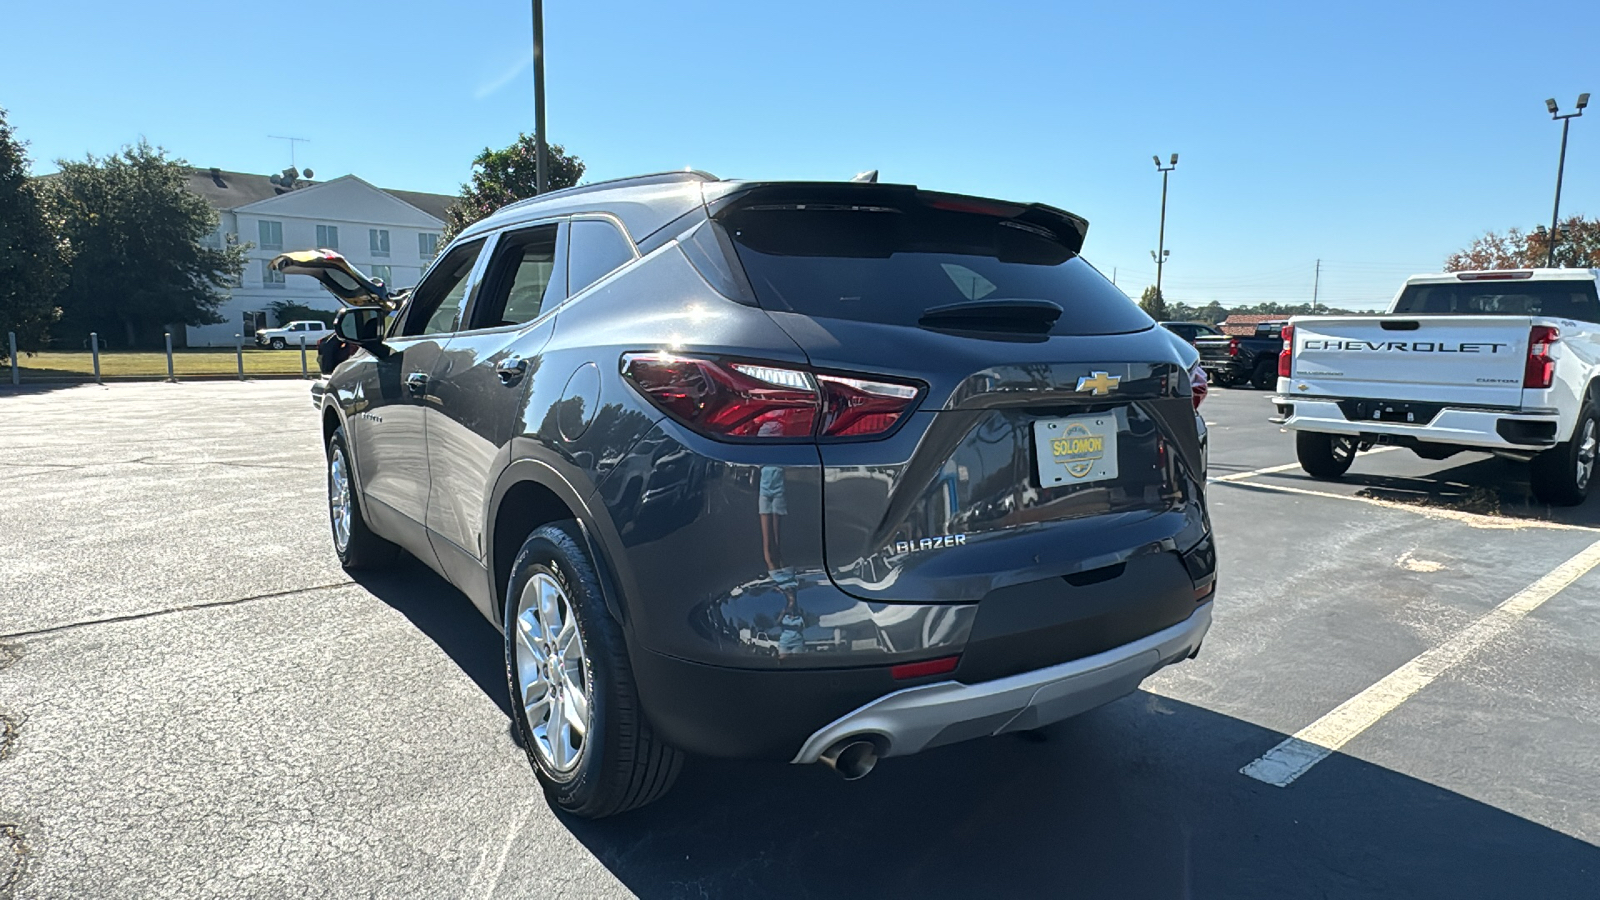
49, 366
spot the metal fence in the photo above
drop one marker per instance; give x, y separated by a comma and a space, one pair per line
96, 364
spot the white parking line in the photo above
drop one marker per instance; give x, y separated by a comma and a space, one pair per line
1312, 744
1241, 476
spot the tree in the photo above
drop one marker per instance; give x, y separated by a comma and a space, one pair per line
30, 253
505, 176
135, 231
286, 311
1491, 250
1577, 244
1153, 303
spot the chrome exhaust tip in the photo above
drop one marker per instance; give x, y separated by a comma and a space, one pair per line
852, 758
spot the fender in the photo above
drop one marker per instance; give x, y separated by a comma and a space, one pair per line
597, 530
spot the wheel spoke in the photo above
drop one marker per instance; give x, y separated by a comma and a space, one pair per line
525, 637
576, 707
560, 746
549, 613
537, 706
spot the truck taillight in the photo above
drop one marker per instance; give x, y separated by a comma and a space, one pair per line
1286, 355
1540, 371
765, 401
1233, 346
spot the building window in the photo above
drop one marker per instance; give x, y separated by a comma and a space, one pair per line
271, 235
427, 245
384, 274
327, 237
270, 277
212, 240
380, 241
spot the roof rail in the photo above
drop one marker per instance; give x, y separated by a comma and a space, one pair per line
680, 175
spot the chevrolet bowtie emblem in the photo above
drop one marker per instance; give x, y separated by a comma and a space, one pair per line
1099, 383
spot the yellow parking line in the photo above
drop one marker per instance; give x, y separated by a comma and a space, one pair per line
1475, 520
1295, 755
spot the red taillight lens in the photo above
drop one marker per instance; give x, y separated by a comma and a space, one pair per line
736, 399
923, 669
1540, 371
1233, 346
1199, 384
1286, 355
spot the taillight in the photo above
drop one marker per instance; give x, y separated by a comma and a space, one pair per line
1286, 355
1540, 371
736, 399
1233, 346
1199, 384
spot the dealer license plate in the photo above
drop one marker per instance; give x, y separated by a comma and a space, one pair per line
1076, 449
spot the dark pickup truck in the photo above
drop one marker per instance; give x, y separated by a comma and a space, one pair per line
1231, 359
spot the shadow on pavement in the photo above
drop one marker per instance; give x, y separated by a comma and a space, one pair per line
449, 619
1492, 487
1142, 798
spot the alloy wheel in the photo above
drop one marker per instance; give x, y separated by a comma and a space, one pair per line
1588, 448
339, 498
552, 673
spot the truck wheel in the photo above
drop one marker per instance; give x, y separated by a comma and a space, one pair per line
1561, 475
1222, 379
1324, 455
572, 691
357, 546
1265, 377
279, 343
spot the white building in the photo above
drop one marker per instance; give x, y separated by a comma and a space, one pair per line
390, 235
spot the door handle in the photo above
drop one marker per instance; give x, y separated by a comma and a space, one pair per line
417, 383
511, 369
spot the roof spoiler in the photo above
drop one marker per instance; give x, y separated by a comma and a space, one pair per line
1067, 228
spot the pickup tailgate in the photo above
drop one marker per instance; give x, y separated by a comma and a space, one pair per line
1214, 351
1465, 360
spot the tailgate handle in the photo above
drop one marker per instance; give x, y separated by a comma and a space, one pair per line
1402, 325
1095, 576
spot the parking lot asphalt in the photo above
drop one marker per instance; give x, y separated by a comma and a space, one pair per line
195, 700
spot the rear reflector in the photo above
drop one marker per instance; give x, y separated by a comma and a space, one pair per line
927, 667
766, 401
1540, 371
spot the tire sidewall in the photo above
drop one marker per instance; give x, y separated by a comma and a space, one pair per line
338, 442
550, 550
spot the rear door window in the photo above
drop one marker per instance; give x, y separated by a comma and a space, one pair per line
597, 248
523, 280
891, 265
1557, 299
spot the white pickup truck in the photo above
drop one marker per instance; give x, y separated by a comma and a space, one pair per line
1506, 362
308, 332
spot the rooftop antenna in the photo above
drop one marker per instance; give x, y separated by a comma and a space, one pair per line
868, 177
292, 141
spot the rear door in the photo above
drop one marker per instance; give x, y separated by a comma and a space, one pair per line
1057, 425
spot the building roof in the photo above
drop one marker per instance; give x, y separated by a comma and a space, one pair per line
231, 190
1244, 324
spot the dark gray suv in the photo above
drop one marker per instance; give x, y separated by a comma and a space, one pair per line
798, 471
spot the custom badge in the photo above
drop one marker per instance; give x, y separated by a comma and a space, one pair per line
1078, 449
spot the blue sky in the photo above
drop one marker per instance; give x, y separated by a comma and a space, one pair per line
1376, 137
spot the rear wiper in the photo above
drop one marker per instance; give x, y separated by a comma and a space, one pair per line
1025, 316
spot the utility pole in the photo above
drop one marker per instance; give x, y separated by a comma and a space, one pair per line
1160, 253
1316, 285
541, 155
1561, 166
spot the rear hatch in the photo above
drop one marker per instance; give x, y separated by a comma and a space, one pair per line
1055, 433
335, 273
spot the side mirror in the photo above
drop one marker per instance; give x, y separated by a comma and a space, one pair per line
361, 325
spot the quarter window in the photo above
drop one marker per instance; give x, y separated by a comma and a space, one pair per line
327, 237
436, 302
597, 249
379, 239
271, 235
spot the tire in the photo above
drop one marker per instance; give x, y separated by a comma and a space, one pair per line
356, 544
618, 763
279, 343
1222, 379
1325, 456
1561, 476
1265, 377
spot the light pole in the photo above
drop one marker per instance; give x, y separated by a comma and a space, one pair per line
1566, 120
541, 156
1161, 253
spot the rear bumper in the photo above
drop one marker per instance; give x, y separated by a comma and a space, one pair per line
917, 718
1488, 429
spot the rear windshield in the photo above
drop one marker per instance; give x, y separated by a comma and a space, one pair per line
881, 264
1558, 299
